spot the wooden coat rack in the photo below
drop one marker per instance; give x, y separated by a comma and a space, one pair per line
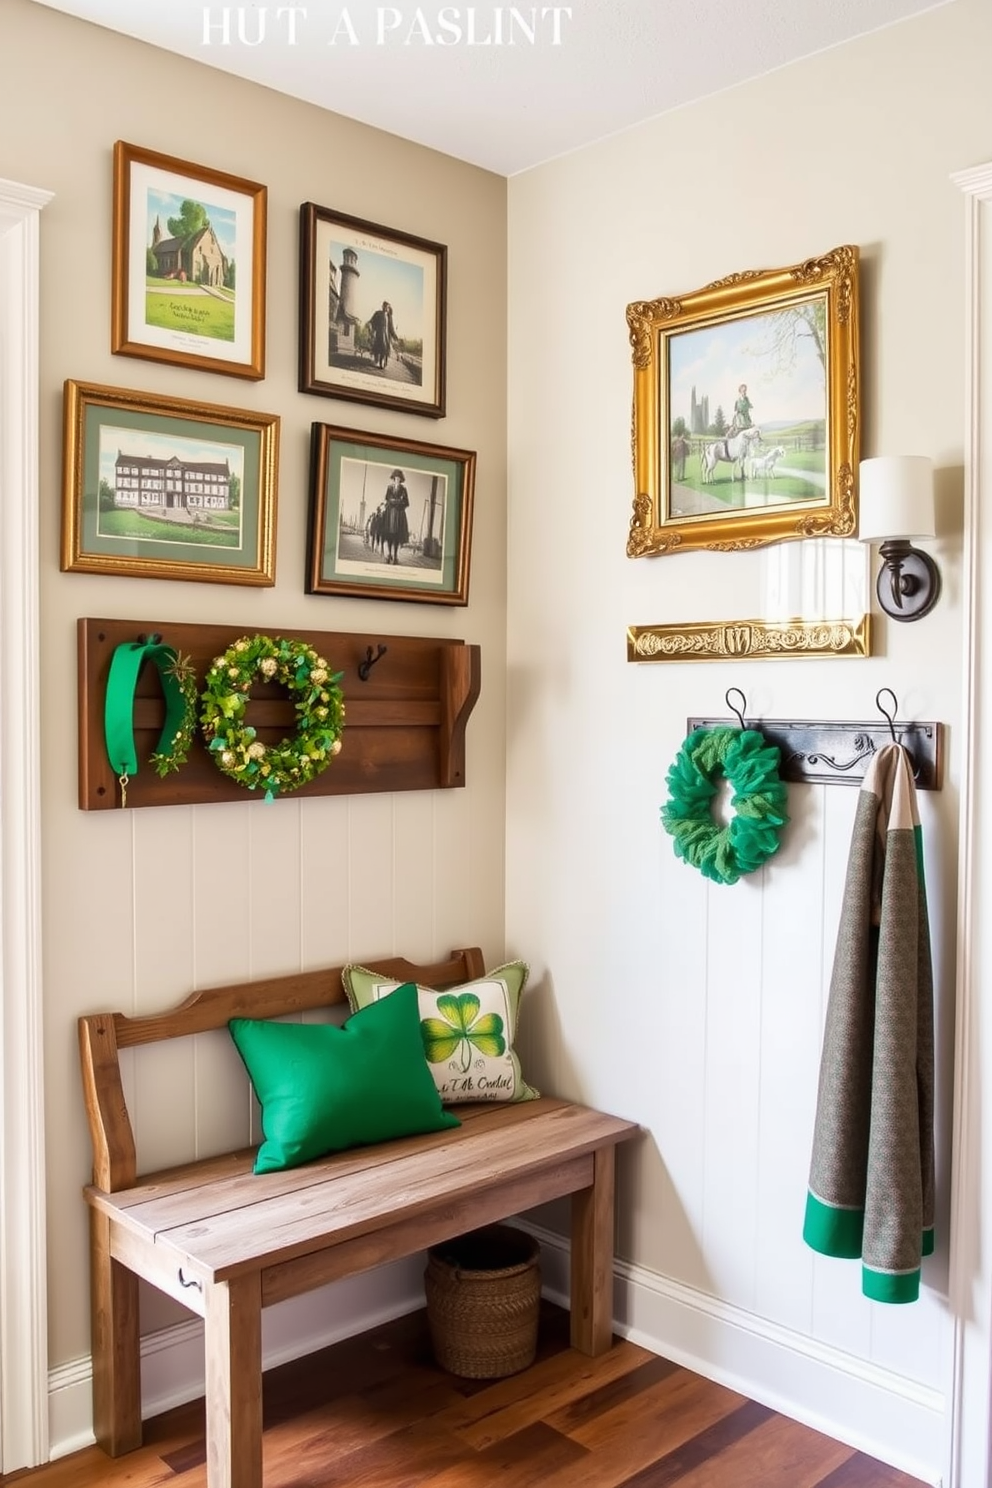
407, 703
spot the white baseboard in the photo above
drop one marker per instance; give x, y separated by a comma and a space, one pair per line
894, 1419
883, 1414
172, 1361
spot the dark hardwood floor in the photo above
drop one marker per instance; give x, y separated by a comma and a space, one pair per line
376, 1412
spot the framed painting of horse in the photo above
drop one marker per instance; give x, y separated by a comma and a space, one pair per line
746, 419
389, 518
372, 313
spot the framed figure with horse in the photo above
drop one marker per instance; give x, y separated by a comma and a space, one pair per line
389, 518
372, 313
747, 409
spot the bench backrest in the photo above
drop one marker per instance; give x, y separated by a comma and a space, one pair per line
103, 1035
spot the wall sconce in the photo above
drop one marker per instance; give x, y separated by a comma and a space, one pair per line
896, 504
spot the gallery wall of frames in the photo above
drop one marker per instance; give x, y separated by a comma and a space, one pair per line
176, 488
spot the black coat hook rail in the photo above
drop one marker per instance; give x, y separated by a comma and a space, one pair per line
824, 752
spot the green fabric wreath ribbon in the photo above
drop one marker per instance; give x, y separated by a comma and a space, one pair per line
725, 853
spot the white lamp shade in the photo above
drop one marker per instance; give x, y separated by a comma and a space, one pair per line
895, 498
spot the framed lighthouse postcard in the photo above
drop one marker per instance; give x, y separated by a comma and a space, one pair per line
372, 313
188, 264
747, 409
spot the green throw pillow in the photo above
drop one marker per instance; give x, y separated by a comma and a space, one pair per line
323, 1088
468, 1031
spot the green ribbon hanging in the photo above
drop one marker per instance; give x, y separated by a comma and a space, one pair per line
179, 688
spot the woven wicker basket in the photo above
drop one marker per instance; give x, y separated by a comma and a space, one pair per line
483, 1295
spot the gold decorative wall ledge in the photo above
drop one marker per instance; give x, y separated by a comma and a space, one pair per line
716, 640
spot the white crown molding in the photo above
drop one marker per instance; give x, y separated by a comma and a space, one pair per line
23, 1302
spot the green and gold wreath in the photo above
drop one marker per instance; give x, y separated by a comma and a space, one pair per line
725, 853
317, 698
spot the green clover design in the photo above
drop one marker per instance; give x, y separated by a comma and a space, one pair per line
459, 1028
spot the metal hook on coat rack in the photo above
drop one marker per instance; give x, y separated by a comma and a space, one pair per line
890, 718
364, 667
743, 707
821, 751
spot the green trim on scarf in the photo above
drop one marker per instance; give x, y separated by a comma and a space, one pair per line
838, 1233
918, 844
889, 1286
833, 1231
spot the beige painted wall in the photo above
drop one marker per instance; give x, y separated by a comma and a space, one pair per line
697, 1009
139, 908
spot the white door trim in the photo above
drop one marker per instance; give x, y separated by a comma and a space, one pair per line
970, 1392
23, 1285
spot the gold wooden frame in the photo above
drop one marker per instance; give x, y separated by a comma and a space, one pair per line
824, 288
151, 425
137, 174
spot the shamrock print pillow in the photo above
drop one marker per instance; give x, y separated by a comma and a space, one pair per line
468, 1031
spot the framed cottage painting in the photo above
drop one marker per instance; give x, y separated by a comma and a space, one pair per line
188, 264
164, 488
746, 418
372, 313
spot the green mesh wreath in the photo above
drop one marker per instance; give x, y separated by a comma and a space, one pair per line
750, 764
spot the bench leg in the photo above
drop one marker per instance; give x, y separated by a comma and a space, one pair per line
115, 1344
234, 1382
592, 1259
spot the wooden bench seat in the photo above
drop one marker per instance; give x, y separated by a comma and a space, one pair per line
226, 1242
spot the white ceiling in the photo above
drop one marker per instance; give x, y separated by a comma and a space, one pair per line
416, 71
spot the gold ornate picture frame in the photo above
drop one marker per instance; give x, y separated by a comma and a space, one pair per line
746, 416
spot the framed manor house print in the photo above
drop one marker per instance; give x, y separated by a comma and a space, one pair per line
164, 488
188, 264
746, 419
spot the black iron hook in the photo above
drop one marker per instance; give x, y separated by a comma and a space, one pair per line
364, 667
890, 718
739, 711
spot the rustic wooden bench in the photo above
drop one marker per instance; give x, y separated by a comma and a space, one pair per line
225, 1242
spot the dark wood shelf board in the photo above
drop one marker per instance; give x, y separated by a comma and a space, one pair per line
404, 726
